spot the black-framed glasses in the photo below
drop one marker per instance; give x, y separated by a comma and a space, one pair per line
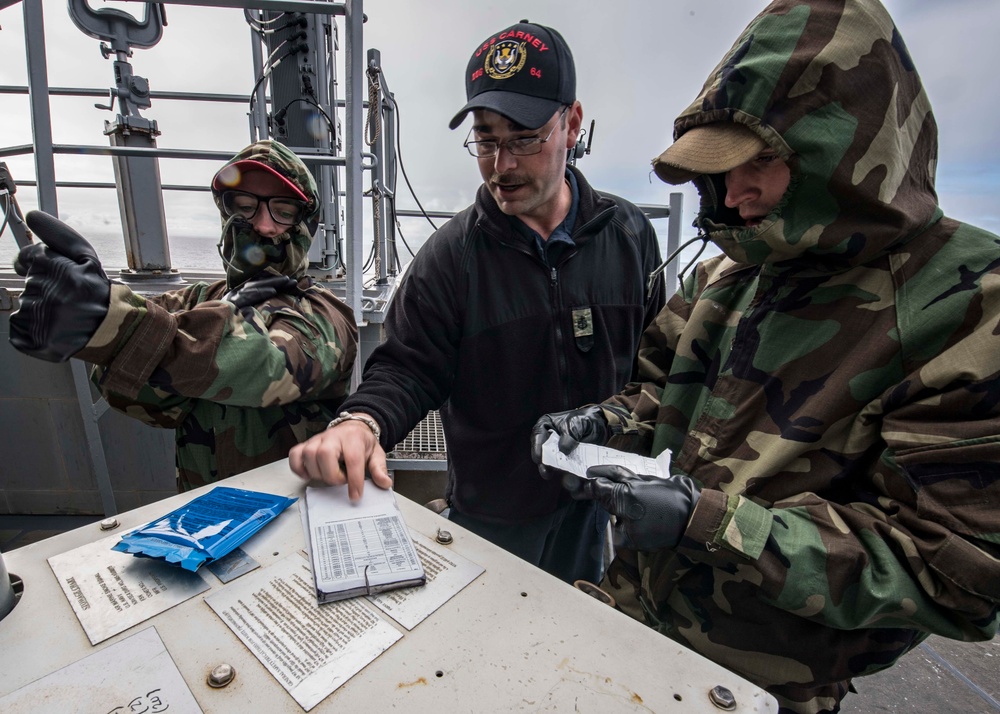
526, 146
284, 210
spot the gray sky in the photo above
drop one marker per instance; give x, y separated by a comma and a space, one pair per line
638, 63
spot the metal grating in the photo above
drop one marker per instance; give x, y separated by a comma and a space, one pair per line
426, 441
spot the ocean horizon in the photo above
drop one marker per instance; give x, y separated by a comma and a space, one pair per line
198, 253
187, 252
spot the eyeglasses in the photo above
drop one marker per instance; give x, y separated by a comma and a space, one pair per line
526, 146
284, 211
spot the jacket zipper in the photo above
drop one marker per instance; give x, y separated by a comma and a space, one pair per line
555, 303
561, 345
555, 300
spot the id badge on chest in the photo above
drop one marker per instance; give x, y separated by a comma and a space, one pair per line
583, 328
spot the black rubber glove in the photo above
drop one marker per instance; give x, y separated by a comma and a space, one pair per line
260, 288
652, 513
586, 425
66, 293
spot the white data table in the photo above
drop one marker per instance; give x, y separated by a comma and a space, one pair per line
516, 638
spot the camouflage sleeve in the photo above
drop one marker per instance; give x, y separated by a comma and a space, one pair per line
185, 298
127, 311
921, 550
284, 350
859, 565
151, 406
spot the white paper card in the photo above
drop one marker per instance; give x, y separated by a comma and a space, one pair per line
310, 649
134, 675
587, 455
111, 591
447, 573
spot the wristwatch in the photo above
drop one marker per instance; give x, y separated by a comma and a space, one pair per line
345, 416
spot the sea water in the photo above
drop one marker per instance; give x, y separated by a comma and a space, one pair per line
191, 252
187, 252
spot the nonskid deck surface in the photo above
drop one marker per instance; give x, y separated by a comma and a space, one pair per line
939, 677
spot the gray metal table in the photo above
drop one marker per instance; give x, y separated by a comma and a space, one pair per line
514, 639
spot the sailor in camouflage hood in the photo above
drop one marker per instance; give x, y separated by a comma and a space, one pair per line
827, 388
244, 251
242, 368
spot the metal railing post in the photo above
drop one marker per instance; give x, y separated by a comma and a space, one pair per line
354, 144
674, 239
41, 115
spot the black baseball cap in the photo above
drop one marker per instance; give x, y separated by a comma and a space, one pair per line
525, 73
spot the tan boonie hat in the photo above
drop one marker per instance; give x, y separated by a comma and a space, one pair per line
707, 149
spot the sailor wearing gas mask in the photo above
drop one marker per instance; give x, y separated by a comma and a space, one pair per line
242, 368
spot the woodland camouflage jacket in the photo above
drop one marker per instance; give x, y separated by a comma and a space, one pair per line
831, 381
240, 386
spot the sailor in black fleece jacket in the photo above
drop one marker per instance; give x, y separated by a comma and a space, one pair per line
532, 300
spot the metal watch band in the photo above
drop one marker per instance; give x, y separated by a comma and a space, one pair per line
344, 416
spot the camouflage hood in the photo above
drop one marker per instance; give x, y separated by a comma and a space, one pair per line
247, 252
831, 88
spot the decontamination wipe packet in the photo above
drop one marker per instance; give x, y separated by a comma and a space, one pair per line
206, 528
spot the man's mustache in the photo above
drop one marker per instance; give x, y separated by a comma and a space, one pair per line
508, 179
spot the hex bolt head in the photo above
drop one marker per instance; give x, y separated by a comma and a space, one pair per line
221, 675
722, 698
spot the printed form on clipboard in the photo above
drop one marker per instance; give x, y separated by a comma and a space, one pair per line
358, 548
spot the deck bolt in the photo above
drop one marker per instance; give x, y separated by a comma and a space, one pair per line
221, 676
722, 698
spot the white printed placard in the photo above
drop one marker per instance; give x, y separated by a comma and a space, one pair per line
136, 674
111, 591
447, 573
311, 649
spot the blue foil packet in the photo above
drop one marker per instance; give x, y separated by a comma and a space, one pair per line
206, 528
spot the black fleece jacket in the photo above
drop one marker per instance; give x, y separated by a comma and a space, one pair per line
483, 330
